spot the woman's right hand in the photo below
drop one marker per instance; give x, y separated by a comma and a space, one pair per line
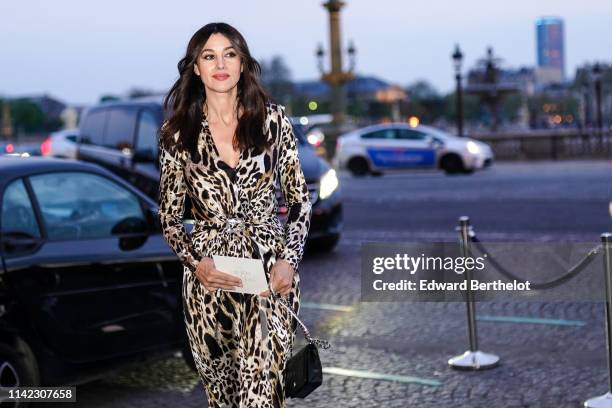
213, 278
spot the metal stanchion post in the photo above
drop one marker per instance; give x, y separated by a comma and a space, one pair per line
605, 401
473, 359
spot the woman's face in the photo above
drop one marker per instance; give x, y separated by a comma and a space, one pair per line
218, 64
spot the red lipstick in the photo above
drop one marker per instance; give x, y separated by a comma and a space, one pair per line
220, 77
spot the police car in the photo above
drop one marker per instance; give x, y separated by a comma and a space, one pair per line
377, 148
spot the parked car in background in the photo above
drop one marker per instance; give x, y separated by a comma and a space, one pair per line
122, 136
325, 196
312, 133
62, 143
18, 148
378, 148
88, 281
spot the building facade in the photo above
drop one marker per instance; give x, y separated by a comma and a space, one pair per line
550, 49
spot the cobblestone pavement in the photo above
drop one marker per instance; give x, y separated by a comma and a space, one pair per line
541, 365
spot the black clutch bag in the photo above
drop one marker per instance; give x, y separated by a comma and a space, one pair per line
303, 371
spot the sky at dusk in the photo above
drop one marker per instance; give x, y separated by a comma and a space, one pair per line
77, 51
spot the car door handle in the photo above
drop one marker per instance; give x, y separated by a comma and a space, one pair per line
20, 241
16, 243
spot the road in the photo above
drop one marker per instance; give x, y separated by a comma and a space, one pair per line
557, 362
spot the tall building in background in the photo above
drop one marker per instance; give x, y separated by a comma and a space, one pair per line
550, 50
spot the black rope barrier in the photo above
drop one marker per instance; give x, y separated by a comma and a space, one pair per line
571, 273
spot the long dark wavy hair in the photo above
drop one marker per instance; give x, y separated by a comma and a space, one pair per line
186, 98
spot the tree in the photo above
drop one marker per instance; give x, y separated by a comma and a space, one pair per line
424, 102
276, 77
27, 116
422, 89
108, 97
471, 107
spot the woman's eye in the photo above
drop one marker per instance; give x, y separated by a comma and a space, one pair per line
208, 57
231, 54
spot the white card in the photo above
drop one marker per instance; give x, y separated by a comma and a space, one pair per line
249, 270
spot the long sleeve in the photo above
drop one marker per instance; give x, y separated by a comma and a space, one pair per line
172, 191
295, 193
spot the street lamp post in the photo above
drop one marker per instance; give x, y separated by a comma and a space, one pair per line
457, 60
586, 114
336, 77
597, 77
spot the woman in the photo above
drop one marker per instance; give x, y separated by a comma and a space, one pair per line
225, 145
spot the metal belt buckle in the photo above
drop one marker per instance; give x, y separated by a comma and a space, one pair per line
234, 224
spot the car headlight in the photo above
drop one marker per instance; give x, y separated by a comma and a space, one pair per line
472, 147
328, 184
315, 137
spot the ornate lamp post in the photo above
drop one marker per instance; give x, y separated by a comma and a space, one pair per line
457, 60
7, 130
586, 113
336, 77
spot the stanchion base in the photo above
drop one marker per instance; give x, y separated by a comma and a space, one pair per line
603, 401
474, 360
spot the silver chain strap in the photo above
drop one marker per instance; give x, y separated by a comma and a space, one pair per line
319, 343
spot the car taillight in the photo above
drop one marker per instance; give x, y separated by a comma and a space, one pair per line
45, 147
9, 148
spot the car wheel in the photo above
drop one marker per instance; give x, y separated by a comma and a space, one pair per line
377, 173
358, 166
18, 368
452, 164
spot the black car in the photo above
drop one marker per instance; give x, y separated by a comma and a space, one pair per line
122, 136
87, 282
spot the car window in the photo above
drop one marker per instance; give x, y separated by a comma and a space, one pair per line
17, 212
146, 136
92, 130
379, 134
120, 128
89, 206
409, 134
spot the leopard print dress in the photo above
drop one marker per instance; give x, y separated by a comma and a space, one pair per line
240, 360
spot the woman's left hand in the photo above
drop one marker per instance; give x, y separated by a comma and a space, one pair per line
281, 278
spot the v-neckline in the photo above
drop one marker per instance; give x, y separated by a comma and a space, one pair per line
208, 133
